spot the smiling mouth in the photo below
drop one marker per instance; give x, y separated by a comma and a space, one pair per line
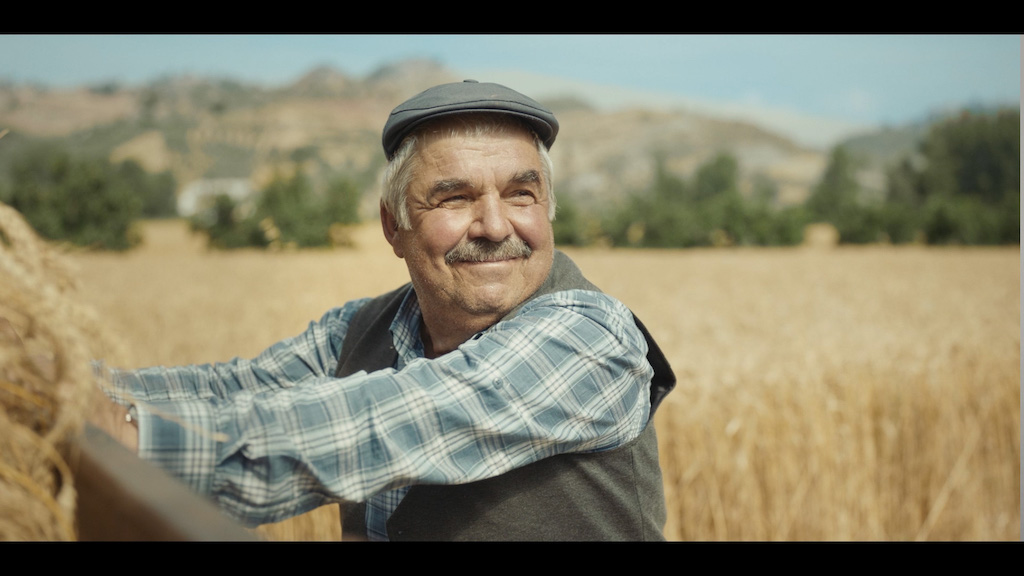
482, 250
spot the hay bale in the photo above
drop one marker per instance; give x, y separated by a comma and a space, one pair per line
47, 342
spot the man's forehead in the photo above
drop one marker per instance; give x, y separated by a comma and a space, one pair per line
475, 151
512, 156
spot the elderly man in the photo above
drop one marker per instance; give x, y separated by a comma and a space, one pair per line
499, 395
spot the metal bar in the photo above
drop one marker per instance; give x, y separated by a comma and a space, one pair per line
121, 497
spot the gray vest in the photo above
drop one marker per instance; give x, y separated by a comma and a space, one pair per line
611, 495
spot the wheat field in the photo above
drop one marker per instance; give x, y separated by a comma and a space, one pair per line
847, 394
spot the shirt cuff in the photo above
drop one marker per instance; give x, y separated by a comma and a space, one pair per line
180, 438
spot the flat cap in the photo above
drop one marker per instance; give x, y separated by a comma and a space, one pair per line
466, 96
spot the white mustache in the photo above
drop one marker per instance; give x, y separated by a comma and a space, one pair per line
482, 250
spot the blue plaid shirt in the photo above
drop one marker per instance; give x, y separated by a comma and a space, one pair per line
278, 435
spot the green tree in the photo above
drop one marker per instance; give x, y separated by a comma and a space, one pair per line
342, 199
835, 195
904, 185
836, 199
289, 203
719, 176
227, 228
288, 212
568, 225
157, 191
667, 186
963, 186
975, 155
707, 211
84, 201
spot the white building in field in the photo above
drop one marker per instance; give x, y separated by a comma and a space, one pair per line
199, 194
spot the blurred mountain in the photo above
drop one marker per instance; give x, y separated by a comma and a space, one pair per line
328, 122
324, 82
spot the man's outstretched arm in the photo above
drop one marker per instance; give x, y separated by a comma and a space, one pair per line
568, 374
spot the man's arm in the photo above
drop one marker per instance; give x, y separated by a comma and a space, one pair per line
568, 374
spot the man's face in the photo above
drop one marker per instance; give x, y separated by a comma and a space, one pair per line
475, 194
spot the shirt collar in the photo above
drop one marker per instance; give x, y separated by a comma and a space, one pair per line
405, 330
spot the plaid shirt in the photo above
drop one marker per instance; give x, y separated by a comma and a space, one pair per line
278, 435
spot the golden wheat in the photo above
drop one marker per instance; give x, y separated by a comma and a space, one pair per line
856, 393
862, 393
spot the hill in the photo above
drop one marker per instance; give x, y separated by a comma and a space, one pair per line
328, 123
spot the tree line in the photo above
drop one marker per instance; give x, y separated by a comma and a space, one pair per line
88, 201
289, 212
960, 186
85, 200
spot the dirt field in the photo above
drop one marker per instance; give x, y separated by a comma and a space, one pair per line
856, 393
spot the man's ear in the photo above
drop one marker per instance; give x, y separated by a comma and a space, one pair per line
389, 224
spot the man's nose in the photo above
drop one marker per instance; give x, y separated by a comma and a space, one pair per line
491, 219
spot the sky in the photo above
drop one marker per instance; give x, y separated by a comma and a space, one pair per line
838, 83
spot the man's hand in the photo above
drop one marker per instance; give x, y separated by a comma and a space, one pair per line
111, 417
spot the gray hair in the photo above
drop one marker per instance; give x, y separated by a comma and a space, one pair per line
402, 168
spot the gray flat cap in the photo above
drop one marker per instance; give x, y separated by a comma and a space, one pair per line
466, 96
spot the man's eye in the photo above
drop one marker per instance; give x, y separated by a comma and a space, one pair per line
453, 199
522, 196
